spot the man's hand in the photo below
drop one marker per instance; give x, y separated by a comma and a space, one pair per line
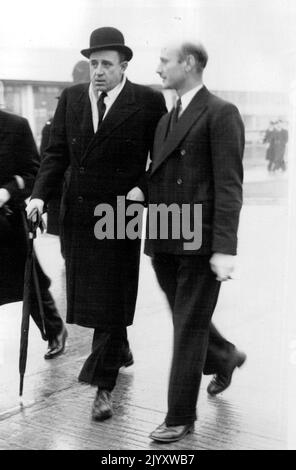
136, 194
34, 208
222, 265
4, 196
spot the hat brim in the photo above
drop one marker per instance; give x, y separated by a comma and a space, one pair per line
116, 47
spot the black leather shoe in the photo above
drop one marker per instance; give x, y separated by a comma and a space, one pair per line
164, 433
102, 406
57, 345
220, 382
127, 358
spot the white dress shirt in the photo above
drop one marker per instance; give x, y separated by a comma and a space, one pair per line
109, 100
188, 97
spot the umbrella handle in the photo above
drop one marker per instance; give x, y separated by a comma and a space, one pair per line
33, 225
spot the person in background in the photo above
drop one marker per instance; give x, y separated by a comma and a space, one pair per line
19, 162
280, 140
269, 140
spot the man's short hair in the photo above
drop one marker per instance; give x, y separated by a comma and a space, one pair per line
122, 56
198, 51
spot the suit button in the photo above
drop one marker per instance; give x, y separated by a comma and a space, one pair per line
183, 152
179, 181
74, 140
80, 199
81, 170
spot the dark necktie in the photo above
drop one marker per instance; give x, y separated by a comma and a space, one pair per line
101, 106
175, 114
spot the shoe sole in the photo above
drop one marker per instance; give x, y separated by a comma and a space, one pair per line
242, 360
128, 363
63, 350
56, 354
174, 439
103, 416
239, 364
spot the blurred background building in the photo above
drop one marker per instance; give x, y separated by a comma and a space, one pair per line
37, 100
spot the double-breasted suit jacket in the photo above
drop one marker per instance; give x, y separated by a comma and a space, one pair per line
18, 158
102, 275
200, 162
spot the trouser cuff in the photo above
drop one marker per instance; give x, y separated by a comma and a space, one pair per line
180, 420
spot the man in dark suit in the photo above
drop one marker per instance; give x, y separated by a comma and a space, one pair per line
19, 162
103, 132
197, 160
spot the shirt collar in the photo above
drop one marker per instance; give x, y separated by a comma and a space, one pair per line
187, 97
109, 100
111, 94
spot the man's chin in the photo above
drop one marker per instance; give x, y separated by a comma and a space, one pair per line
100, 87
166, 85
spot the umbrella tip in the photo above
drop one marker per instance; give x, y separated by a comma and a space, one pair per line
21, 385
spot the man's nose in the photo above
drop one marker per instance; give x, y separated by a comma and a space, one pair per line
159, 69
99, 69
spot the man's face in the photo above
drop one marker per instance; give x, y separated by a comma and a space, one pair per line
171, 69
106, 70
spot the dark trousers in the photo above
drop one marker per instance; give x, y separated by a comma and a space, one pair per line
52, 320
102, 366
192, 292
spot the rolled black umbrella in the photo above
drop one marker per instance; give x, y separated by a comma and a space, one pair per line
31, 298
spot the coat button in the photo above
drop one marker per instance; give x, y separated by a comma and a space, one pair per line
183, 152
179, 181
74, 140
81, 170
80, 199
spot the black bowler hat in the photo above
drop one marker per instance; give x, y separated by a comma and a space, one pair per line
107, 38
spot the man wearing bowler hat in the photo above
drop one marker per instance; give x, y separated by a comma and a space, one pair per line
102, 131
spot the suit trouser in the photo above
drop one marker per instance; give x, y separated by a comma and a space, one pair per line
101, 368
192, 292
52, 320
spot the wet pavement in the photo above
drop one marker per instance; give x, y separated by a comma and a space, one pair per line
251, 414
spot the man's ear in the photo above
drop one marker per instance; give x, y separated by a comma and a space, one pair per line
190, 63
124, 65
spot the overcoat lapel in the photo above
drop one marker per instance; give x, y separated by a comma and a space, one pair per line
161, 134
124, 106
190, 116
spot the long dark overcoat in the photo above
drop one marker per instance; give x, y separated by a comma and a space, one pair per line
102, 275
53, 207
18, 157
